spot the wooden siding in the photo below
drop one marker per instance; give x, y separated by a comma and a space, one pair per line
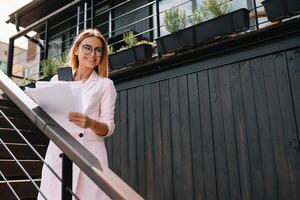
226, 132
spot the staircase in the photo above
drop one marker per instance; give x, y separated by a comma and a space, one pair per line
30, 162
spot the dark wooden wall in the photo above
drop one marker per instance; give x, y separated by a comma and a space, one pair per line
223, 128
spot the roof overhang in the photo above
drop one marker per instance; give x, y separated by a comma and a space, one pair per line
34, 11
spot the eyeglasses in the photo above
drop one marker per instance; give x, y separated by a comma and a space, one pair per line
88, 49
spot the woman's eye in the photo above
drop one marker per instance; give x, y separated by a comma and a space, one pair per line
87, 48
99, 50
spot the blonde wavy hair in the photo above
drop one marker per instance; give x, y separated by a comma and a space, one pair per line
72, 60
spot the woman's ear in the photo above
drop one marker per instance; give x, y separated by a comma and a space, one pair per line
76, 51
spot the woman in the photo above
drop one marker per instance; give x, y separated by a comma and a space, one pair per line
88, 58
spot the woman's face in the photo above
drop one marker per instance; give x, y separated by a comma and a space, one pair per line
89, 52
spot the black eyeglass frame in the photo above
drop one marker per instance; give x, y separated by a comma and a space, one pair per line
88, 49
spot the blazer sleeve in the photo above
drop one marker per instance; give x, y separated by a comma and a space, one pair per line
107, 107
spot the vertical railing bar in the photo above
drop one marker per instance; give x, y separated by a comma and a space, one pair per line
109, 24
85, 16
67, 171
78, 20
10, 187
46, 39
256, 16
157, 18
92, 13
10, 56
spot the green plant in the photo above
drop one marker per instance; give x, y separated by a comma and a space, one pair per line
196, 17
110, 49
49, 66
213, 8
175, 20
25, 81
130, 39
146, 42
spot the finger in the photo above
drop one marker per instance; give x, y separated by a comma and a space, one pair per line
80, 124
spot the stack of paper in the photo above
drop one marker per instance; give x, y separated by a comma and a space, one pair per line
58, 99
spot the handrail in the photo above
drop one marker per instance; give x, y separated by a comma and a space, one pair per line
103, 177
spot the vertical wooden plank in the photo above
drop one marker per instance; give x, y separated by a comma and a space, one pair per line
270, 177
157, 142
252, 132
176, 138
293, 57
207, 137
148, 121
284, 191
288, 119
124, 135
240, 131
187, 170
116, 138
218, 135
196, 139
132, 139
231, 146
141, 163
166, 141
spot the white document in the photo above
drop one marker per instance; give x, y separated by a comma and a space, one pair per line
58, 99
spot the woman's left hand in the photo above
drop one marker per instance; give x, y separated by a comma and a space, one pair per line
79, 119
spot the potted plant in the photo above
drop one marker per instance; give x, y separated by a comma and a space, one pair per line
277, 10
134, 51
175, 22
218, 21
49, 66
209, 21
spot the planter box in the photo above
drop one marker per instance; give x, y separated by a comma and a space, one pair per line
277, 10
229, 23
232, 22
293, 7
129, 56
175, 41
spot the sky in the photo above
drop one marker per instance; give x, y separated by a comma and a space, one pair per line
7, 30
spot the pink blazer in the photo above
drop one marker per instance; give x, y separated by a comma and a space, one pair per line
98, 99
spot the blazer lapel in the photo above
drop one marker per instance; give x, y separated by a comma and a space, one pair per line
90, 82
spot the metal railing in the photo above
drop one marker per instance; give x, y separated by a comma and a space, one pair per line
20, 165
146, 20
103, 177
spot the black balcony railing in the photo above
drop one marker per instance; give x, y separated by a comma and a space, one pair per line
54, 33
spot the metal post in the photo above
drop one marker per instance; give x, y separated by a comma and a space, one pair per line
85, 16
157, 18
10, 56
92, 13
256, 17
78, 20
67, 174
46, 45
